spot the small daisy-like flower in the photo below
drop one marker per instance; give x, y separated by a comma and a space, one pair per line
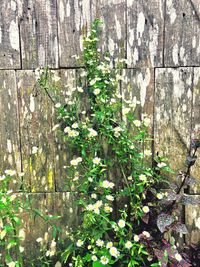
10, 172
130, 178
109, 245
137, 123
125, 111
147, 122
94, 258
99, 243
143, 177
128, 245
114, 252
178, 257
145, 233
11, 264
121, 223
136, 238
57, 105
96, 160
96, 91
145, 209
79, 243
159, 195
75, 125
110, 198
161, 164
94, 196
80, 89
147, 152
104, 260
67, 129
92, 132
34, 150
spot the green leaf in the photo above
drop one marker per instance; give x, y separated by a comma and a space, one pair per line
97, 264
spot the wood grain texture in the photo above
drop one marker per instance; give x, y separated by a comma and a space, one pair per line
10, 156
145, 22
196, 125
192, 220
36, 124
172, 118
182, 33
38, 31
74, 21
9, 34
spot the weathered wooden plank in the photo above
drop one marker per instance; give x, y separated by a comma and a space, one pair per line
74, 21
196, 125
172, 117
9, 35
10, 157
62, 152
36, 137
38, 31
139, 85
182, 33
192, 220
145, 22
113, 15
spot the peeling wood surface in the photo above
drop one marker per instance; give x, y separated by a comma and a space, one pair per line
38, 31
10, 156
9, 35
182, 33
145, 22
172, 118
196, 125
192, 215
36, 136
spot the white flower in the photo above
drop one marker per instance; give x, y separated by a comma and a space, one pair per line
145, 209
108, 209
75, 125
110, 198
83, 73
75, 162
125, 111
96, 91
11, 264
136, 238
109, 245
73, 133
58, 264
67, 129
145, 233
114, 252
39, 239
22, 234
107, 184
129, 178
159, 195
94, 258
178, 257
10, 172
99, 243
147, 152
79, 243
2, 177
21, 249
147, 122
34, 150
121, 223
80, 89
57, 105
96, 160
104, 260
161, 165
143, 177
137, 123
92, 132
128, 245
94, 196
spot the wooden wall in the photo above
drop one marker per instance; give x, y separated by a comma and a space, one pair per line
159, 38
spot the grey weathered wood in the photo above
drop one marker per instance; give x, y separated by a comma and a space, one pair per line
172, 117
182, 33
62, 151
9, 35
195, 171
36, 124
10, 156
192, 220
38, 31
74, 21
145, 22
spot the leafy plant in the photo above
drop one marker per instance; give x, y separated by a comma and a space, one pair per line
125, 216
